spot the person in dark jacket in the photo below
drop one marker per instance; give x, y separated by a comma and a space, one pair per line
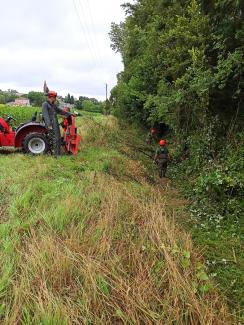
149, 138
152, 135
49, 114
162, 157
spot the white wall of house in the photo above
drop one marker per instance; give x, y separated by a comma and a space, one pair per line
22, 102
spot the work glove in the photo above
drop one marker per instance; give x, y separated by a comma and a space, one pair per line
76, 113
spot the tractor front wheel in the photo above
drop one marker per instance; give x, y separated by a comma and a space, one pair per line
36, 144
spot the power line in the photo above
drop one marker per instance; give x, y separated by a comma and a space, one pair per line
84, 32
93, 30
88, 31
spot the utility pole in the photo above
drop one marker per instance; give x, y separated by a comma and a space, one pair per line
106, 92
107, 101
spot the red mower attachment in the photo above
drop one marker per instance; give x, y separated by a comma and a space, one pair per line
71, 139
7, 136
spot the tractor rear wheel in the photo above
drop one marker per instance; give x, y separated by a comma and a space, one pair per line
36, 144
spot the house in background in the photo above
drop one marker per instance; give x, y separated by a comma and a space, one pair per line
21, 102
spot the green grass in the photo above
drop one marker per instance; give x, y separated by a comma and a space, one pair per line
88, 240
21, 114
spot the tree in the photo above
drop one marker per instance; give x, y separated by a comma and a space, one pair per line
67, 99
72, 100
117, 37
36, 98
78, 104
183, 63
89, 104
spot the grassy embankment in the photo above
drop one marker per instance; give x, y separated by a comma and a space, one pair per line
92, 240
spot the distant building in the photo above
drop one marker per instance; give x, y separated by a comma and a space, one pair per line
21, 102
62, 104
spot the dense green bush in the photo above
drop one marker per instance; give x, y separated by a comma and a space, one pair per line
184, 66
214, 186
183, 63
214, 173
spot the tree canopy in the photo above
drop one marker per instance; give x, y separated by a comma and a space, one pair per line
89, 104
183, 63
7, 96
36, 98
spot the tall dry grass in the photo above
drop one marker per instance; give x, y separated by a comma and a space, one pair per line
118, 267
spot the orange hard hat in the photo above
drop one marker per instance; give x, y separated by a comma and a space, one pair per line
52, 93
162, 142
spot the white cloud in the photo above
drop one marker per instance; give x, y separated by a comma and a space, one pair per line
65, 42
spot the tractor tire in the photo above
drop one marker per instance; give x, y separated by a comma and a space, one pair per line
36, 144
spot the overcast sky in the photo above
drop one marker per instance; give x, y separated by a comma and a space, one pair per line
65, 42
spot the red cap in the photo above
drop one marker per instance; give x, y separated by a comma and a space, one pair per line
52, 93
162, 142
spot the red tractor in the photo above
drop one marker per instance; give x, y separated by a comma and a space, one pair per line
33, 137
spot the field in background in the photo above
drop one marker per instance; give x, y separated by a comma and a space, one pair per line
92, 239
21, 114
